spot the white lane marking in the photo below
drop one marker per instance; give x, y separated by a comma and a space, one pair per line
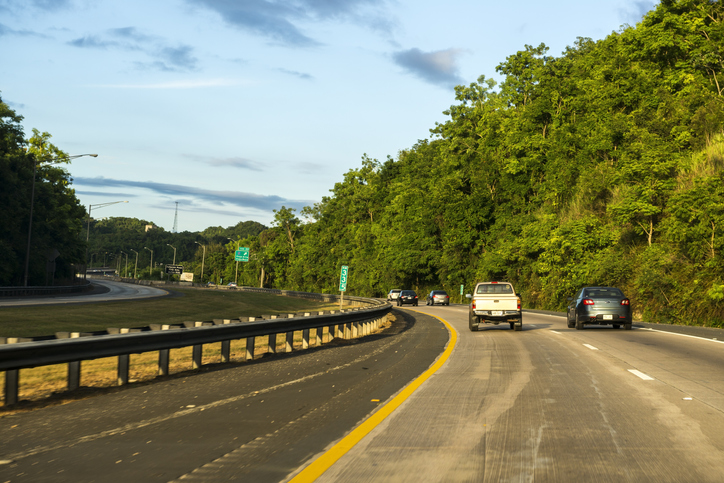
641, 375
555, 331
590, 347
685, 335
688, 399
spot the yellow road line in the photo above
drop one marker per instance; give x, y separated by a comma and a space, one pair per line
324, 462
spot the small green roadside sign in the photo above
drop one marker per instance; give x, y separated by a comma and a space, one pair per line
242, 254
343, 278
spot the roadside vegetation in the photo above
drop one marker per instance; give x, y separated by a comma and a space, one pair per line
601, 166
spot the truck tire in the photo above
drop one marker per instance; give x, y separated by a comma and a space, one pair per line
518, 327
627, 326
472, 323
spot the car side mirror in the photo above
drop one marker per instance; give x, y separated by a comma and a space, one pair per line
468, 296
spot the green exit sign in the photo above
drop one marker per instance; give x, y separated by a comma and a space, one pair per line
242, 254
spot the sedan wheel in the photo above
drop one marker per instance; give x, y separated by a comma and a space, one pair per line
579, 324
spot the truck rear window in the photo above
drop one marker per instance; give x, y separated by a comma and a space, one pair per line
494, 288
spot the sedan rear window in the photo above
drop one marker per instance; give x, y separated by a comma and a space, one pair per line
603, 293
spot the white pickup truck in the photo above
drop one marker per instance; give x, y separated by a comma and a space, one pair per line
495, 303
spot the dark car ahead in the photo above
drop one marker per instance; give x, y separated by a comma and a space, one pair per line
438, 297
407, 297
599, 306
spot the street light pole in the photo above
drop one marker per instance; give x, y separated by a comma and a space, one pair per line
203, 258
87, 233
126, 254
135, 269
174, 253
150, 267
238, 246
32, 203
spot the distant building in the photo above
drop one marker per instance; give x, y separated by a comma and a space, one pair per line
151, 227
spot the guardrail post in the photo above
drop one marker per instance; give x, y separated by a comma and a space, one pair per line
12, 383
305, 339
124, 362
354, 329
74, 369
163, 357
319, 332
12, 380
250, 348
272, 344
289, 346
225, 345
347, 331
197, 351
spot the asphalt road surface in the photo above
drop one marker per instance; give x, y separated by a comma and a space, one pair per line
555, 404
108, 292
545, 404
255, 421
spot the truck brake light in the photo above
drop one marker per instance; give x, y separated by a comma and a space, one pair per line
588, 302
473, 305
518, 304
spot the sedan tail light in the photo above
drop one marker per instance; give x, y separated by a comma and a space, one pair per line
588, 302
625, 302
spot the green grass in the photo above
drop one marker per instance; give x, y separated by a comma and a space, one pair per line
193, 305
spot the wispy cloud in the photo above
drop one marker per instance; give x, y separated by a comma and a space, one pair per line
301, 75
7, 31
166, 58
439, 67
230, 198
238, 163
280, 21
183, 84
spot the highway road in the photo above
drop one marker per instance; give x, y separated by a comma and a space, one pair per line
555, 404
545, 404
109, 292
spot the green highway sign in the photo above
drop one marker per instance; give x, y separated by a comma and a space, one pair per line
242, 254
343, 278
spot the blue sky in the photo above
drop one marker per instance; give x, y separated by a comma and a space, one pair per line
235, 108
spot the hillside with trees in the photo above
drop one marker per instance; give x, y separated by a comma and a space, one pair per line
601, 166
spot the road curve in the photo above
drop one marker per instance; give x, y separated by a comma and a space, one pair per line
554, 404
256, 421
114, 292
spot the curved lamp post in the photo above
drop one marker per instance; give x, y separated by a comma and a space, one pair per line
87, 233
203, 258
174, 253
135, 269
32, 203
150, 267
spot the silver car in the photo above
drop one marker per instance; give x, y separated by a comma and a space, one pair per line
393, 295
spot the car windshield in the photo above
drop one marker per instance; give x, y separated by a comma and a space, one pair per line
495, 288
439, 292
408, 292
603, 293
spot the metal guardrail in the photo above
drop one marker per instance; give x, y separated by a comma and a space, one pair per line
346, 323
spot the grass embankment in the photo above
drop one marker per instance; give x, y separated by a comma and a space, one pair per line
193, 305
41, 382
